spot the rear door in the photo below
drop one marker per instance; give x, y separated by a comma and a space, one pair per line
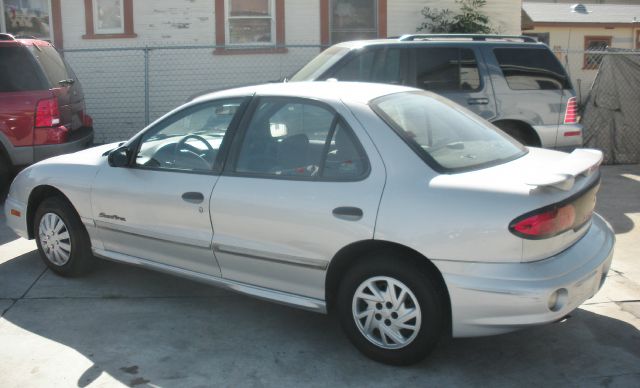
302, 182
456, 73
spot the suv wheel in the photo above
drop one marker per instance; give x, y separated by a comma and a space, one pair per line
392, 313
519, 133
61, 237
5, 175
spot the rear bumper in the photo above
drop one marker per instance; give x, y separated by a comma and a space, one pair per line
78, 140
494, 298
564, 137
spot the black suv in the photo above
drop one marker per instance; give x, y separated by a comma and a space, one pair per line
515, 82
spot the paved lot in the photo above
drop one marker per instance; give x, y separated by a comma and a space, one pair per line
127, 326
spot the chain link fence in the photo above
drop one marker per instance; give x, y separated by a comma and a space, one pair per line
127, 88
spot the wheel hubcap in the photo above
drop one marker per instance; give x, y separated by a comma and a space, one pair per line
386, 312
54, 239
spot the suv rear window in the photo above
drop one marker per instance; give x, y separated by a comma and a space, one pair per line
18, 72
531, 69
445, 137
52, 64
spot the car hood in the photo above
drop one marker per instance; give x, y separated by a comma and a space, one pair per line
89, 157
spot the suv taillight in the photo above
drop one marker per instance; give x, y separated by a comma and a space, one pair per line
47, 113
47, 123
571, 114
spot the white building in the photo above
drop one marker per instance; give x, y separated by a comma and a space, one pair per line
255, 41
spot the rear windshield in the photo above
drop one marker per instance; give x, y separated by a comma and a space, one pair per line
320, 64
18, 72
531, 69
52, 64
447, 137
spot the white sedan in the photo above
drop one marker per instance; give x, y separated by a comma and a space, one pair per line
406, 215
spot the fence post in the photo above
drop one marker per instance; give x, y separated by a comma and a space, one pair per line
146, 85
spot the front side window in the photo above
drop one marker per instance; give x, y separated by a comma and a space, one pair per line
318, 65
108, 16
299, 139
250, 22
531, 69
595, 43
353, 20
27, 18
442, 134
190, 139
447, 69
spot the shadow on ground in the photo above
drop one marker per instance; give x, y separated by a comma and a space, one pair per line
143, 327
618, 196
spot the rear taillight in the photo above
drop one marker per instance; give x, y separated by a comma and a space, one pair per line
47, 113
552, 220
571, 114
545, 224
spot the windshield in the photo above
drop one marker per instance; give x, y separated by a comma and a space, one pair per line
446, 136
312, 70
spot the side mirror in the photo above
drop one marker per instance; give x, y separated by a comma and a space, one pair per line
119, 157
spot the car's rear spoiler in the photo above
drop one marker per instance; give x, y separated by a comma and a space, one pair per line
563, 173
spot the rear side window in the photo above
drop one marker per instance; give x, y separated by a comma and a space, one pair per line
52, 64
18, 71
531, 69
374, 65
447, 69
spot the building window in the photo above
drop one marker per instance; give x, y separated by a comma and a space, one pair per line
249, 26
109, 19
344, 20
595, 43
26, 18
250, 22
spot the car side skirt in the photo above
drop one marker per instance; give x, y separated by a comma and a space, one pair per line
280, 297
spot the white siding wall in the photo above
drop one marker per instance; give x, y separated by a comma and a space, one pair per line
114, 81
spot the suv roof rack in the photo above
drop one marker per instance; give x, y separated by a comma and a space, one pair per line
5, 37
476, 37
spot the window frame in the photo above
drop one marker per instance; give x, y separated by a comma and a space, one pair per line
588, 39
91, 17
231, 161
222, 28
136, 142
52, 27
325, 21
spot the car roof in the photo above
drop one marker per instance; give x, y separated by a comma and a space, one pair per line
7, 40
330, 90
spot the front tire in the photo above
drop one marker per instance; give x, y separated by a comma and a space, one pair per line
63, 241
392, 311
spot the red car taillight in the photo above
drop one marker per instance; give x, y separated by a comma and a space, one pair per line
546, 224
552, 220
47, 113
571, 114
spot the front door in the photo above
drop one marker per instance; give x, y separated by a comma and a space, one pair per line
299, 185
157, 209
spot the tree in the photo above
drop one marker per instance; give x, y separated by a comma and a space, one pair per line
468, 20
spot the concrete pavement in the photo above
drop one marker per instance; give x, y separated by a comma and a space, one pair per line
127, 326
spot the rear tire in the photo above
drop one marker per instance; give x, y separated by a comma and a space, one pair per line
519, 133
402, 323
63, 241
6, 170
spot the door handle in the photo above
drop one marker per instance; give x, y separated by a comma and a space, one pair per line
193, 197
478, 101
348, 213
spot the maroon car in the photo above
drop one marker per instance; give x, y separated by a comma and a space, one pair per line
42, 109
